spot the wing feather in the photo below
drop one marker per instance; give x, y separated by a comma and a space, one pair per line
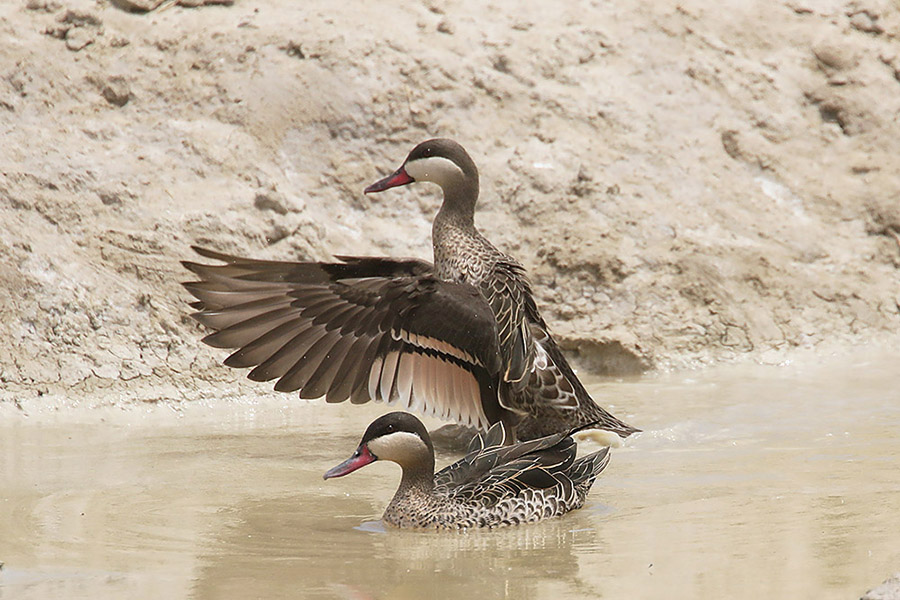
508, 292
342, 386
388, 371
299, 374
365, 329
405, 370
286, 356
318, 384
250, 329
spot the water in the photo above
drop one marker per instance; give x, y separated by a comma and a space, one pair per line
748, 482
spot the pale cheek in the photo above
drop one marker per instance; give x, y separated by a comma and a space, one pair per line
403, 448
435, 169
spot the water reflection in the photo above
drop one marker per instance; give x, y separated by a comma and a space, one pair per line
275, 544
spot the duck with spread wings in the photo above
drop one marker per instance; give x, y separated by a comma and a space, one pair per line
460, 339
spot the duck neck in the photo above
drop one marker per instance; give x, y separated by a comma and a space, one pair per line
458, 207
413, 499
417, 482
452, 232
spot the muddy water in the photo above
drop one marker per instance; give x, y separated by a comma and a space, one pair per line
748, 482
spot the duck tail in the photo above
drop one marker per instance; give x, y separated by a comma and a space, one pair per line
586, 469
601, 419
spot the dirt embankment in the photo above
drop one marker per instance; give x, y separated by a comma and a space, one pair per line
686, 183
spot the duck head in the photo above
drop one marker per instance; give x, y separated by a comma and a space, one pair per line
443, 162
398, 437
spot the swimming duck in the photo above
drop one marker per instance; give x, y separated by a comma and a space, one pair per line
494, 485
461, 339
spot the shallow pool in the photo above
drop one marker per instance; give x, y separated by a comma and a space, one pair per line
747, 482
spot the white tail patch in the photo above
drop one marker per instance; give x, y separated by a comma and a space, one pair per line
603, 438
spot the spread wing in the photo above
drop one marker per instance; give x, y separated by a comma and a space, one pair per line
362, 329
